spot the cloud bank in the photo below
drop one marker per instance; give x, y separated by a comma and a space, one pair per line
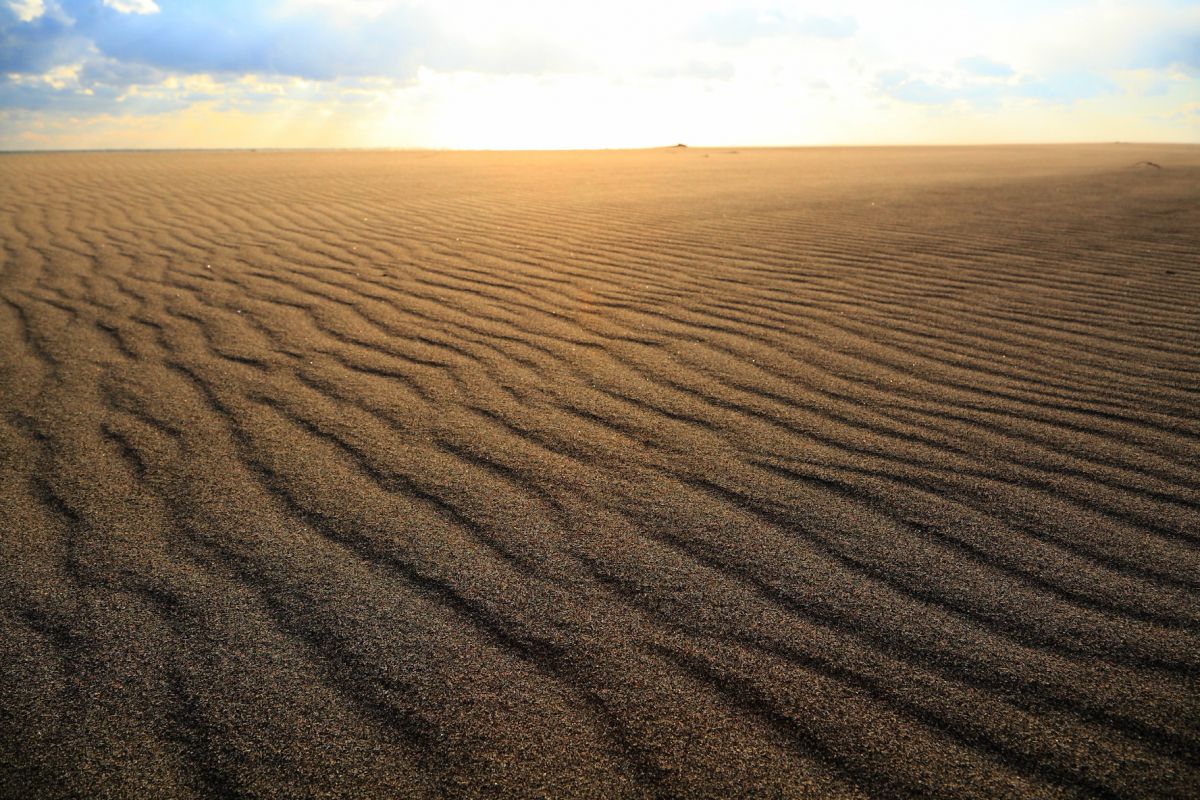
81, 73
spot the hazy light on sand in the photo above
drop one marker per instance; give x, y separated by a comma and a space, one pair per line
563, 75
851, 472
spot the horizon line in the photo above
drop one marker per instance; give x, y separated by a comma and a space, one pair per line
678, 146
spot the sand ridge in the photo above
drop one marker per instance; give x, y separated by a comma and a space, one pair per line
827, 472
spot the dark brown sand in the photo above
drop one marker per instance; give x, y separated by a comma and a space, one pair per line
669, 473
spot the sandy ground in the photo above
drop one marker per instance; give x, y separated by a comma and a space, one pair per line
830, 473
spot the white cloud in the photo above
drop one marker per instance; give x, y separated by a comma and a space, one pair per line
370, 9
573, 73
133, 6
27, 10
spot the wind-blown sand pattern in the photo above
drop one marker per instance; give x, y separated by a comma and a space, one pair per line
672, 473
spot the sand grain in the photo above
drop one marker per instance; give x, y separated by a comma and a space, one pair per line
673, 473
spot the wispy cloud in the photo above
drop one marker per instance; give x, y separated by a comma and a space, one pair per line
737, 26
133, 6
981, 65
716, 70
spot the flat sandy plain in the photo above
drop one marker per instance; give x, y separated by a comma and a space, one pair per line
831, 473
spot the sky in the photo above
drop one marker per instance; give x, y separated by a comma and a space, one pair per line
620, 73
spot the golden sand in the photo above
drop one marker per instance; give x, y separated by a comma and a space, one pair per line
857, 472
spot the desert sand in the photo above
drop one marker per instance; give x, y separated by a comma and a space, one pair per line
669, 473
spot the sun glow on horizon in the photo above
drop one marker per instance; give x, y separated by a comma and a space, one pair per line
541, 75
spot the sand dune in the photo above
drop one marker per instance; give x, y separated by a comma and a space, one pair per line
832, 473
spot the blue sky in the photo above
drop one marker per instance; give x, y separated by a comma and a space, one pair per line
467, 73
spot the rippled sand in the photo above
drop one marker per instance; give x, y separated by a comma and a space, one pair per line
666, 473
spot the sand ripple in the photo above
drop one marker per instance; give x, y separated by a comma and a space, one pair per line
776, 473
